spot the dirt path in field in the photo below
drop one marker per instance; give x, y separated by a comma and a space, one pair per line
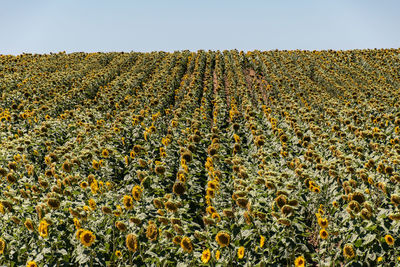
252, 78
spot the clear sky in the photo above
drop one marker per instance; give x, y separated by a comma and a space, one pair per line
43, 26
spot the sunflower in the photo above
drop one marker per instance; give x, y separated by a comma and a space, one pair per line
389, 240
240, 253
31, 264
92, 204
210, 210
151, 231
105, 153
179, 188
84, 185
67, 166
186, 244
77, 223
348, 251
43, 228
300, 262
29, 224
205, 256
131, 242
137, 192
2, 245
323, 234
262, 241
217, 255
95, 164
121, 226
223, 238
118, 254
53, 203
128, 202
323, 222
87, 238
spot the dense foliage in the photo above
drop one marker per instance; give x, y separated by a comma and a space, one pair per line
206, 158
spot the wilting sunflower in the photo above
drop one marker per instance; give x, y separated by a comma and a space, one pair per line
223, 238
323, 234
348, 251
29, 224
128, 202
151, 231
389, 240
31, 264
240, 253
137, 192
131, 242
87, 238
206, 255
121, 226
186, 244
300, 262
2, 245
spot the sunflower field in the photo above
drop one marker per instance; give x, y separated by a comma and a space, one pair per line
207, 158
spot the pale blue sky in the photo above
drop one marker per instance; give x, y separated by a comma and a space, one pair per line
40, 26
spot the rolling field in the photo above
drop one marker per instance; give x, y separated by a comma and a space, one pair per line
219, 158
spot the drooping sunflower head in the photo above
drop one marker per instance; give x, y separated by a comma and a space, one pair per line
29, 224
53, 203
137, 192
131, 242
121, 226
179, 188
223, 238
151, 231
186, 244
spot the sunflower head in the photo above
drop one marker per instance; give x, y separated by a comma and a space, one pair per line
31, 264
128, 202
323, 234
87, 238
131, 242
323, 222
205, 256
389, 240
2, 245
186, 244
348, 251
118, 253
223, 238
300, 262
240, 253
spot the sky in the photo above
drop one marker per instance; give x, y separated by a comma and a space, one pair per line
44, 26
